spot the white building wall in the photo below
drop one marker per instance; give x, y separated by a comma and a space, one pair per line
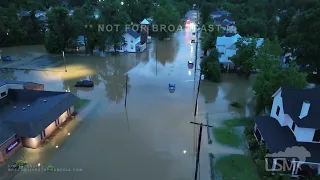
277, 102
6, 87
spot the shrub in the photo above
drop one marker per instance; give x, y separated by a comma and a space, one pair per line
210, 141
51, 168
248, 131
21, 163
235, 104
253, 143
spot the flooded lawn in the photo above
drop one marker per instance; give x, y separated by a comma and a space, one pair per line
150, 139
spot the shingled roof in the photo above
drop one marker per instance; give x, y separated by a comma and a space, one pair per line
28, 112
292, 103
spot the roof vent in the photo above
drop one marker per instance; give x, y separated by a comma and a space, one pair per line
304, 109
14, 107
24, 108
44, 100
28, 105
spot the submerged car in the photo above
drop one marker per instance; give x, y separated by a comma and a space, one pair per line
84, 83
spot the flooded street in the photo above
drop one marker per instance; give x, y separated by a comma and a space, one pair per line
147, 139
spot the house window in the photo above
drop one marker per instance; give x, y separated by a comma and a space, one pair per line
293, 126
131, 47
3, 94
316, 136
43, 134
278, 111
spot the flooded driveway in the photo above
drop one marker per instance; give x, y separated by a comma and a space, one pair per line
150, 139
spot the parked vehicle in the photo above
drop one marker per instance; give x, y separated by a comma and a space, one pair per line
84, 83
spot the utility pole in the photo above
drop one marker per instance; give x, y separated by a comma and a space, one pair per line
125, 100
64, 59
196, 105
199, 147
156, 45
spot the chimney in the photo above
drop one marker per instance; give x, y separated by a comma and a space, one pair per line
44, 100
304, 109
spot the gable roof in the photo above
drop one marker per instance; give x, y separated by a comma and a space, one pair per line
284, 138
220, 12
292, 103
145, 22
224, 17
227, 41
133, 33
41, 109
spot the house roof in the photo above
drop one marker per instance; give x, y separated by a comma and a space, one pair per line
133, 33
220, 12
223, 17
228, 34
145, 22
41, 109
227, 41
225, 23
292, 102
279, 138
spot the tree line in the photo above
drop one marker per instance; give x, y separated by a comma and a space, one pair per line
61, 29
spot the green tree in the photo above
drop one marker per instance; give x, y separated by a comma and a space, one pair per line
112, 13
271, 76
138, 10
244, 57
209, 37
168, 17
11, 32
182, 7
61, 30
285, 21
304, 38
210, 66
205, 11
252, 26
77, 3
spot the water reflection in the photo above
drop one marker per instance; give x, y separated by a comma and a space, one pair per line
209, 91
165, 51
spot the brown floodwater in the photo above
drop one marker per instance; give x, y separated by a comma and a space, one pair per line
150, 139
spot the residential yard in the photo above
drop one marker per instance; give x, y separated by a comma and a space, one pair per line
246, 121
81, 103
227, 136
233, 167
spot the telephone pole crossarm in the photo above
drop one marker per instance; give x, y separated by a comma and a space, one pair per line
200, 124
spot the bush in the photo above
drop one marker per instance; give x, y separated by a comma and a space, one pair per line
235, 104
253, 143
248, 131
51, 168
21, 163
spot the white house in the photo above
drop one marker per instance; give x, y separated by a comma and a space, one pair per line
132, 43
293, 122
226, 47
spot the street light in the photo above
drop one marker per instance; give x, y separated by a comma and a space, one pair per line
122, 3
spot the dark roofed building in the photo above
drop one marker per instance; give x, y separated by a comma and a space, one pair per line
20, 112
293, 124
292, 106
224, 17
29, 115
